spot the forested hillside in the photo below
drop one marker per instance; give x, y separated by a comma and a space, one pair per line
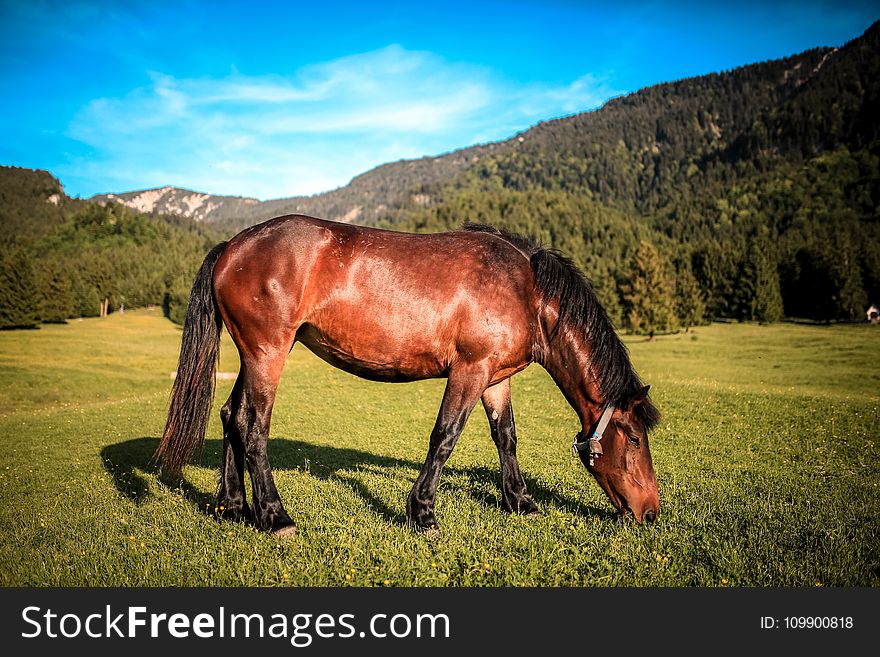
747, 194
64, 258
32, 203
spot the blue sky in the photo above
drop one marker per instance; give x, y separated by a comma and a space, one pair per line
277, 99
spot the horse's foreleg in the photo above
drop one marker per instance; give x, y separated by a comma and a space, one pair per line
252, 419
231, 499
514, 494
461, 395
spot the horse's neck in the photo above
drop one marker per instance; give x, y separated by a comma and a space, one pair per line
568, 362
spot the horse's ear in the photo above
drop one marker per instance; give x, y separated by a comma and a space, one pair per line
639, 397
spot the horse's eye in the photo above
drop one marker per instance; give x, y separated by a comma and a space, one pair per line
634, 440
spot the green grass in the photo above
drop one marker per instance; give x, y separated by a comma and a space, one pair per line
766, 458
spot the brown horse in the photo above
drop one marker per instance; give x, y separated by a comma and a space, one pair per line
475, 306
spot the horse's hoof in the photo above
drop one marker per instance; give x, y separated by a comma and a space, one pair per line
285, 532
526, 507
431, 531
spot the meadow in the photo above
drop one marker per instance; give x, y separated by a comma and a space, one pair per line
767, 462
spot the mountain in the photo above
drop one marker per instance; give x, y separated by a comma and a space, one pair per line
182, 202
663, 152
364, 200
671, 150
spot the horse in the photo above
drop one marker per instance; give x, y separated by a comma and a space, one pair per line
474, 306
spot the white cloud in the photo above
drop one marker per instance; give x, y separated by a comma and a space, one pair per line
273, 135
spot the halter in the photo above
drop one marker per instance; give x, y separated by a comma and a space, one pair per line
593, 442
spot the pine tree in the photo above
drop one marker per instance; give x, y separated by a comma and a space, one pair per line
18, 291
176, 300
715, 266
86, 300
56, 303
757, 294
689, 305
851, 300
649, 292
768, 297
606, 291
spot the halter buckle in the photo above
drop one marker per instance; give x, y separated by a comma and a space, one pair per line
593, 442
595, 446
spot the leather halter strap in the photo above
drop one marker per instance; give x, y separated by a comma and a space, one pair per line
593, 443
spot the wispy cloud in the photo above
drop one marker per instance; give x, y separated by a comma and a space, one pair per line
274, 135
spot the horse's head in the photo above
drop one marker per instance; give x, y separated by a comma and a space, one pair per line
621, 460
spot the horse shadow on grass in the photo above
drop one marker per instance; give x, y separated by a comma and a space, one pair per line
129, 461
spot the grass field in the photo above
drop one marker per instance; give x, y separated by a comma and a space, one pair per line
767, 461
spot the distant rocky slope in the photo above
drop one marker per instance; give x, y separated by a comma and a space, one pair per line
363, 200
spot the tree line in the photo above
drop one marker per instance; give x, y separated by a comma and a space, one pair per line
99, 260
803, 242
795, 244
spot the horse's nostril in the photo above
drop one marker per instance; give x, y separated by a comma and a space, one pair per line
650, 515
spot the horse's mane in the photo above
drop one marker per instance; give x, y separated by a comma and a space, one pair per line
557, 277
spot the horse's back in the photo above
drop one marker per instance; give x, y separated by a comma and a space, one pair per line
382, 304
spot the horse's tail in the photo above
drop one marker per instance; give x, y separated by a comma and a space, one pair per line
193, 389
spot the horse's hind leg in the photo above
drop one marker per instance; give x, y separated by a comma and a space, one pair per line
514, 494
231, 499
252, 418
462, 392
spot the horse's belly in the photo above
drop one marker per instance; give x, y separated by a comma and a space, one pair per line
376, 358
